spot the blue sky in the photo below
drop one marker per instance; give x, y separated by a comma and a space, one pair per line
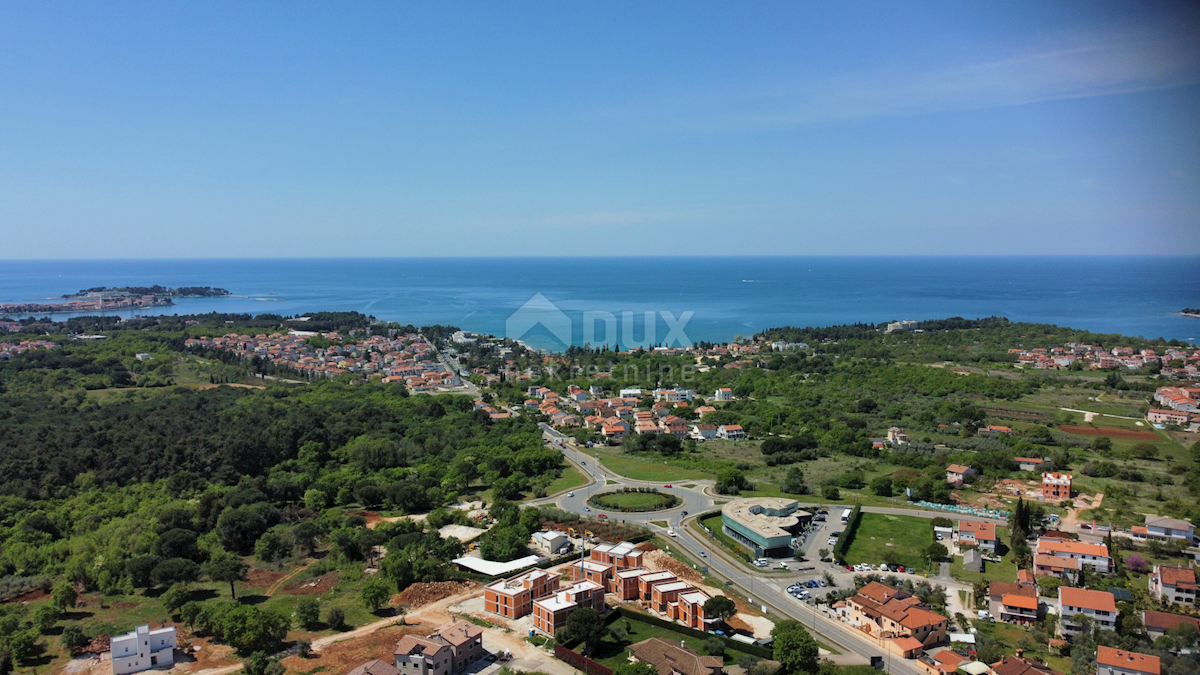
145, 130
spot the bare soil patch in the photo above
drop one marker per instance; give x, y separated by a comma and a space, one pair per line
418, 595
29, 596
316, 586
661, 562
260, 578
342, 657
1112, 431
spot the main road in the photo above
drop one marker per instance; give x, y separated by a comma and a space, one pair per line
763, 588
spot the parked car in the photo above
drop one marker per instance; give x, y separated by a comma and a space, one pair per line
900, 568
822, 582
884, 568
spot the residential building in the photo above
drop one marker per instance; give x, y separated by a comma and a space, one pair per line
905, 325
590, 570
977, 533
647, 582
550, 613
142, 648
958, 474
1013, 603
447, 651
675, 659
731, 432
375, 667
1158, 623
630, 393
897, 619
766, 525
620, 555
1093, 555
1029, 463
1066, 569
625, 583
1166, 529
1019, 665
673, 395
1110, 661
1100, 606
513, 598
704, 432
664, 594
689, 611
896, 435
1156, 416
1173, 584
723, 394
1056, 486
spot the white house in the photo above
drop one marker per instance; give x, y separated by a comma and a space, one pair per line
142, 649
1173, 584
704, 432
732, 432
550, 542
1170, 528
1101, 606
673, 395
723, 394
631, 393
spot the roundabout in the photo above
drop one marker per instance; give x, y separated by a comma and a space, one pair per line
634, 500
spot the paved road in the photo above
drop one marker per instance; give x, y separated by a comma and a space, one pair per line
762, 586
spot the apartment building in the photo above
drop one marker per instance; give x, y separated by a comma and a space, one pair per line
1094, 556
550, 613
447, 651
1099, 605
1056, 486
896, 618
513, 598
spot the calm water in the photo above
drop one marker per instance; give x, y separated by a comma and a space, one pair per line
728, 296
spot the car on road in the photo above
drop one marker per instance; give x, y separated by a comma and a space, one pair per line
602, 516
703, 554
684, 514
570, 494
670, 533
667, 485
587, 508
583, 464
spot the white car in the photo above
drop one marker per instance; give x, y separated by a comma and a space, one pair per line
570, 494
884, 568
670, 533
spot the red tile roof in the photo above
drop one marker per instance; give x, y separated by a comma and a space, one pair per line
1119, 658
1099, 601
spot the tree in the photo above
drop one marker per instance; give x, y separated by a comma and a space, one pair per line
831, 492
174, 571
73, 638
713, 646
227, 567
24, 646
585, 625
731, 482
45, 618
308, 612
259, 664
794, 483
64, 596
882, 486
175, 597
375, 594
795, 649
139, 569
719, 607
336, 618
639, 668
303, 648
823, 553
936, 551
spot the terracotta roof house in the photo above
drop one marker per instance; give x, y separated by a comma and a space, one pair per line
1158, 623
375, 667
672, 659
959, 474
1111, 661
1173, 584
977, 533
1018, 665
896, 618
1099, 605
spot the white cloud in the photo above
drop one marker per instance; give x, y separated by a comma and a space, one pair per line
1075, 66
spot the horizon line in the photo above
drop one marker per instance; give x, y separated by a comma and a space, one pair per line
715, 256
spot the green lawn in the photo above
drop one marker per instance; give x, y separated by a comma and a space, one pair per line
881, 536
612, 654
569, 480
1005, 571
640, 469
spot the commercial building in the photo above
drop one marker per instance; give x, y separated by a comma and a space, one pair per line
142, 649
766, 525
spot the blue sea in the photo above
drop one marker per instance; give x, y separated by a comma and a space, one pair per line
726, 296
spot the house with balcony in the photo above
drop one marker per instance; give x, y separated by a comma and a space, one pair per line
1110, 661
1100, 606
142, 648
550, 613
896, 619
447, 651
1173, 585
978, 534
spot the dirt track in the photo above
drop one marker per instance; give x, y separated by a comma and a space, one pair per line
1112, 431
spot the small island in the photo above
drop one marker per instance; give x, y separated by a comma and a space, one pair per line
180, 292
104, 298
1191, 311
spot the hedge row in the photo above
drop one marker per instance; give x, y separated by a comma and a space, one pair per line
847, 537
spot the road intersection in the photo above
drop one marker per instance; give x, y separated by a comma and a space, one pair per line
766, 588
